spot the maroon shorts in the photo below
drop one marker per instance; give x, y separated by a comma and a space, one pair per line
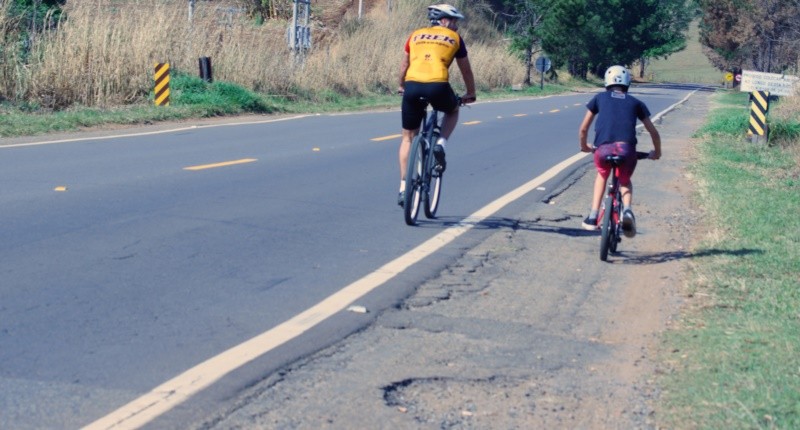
622, 149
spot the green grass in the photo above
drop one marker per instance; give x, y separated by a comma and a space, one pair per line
730, 117
735, 360
191, 97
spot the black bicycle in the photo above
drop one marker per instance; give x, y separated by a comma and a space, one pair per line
423, 176
611, 210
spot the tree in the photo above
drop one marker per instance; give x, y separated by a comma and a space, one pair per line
751, 34
523, 18
658, 29
590, 35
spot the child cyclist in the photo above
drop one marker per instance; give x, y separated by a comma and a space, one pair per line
615, 134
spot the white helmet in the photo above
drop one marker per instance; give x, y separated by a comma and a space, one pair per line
439, 11
618, 75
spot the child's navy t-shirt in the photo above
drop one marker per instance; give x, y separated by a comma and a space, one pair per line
617, 117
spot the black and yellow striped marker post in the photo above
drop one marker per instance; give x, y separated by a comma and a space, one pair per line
758, 115
162, 84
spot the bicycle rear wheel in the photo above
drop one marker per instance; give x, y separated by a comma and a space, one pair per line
413, 182
606, 228
434, 192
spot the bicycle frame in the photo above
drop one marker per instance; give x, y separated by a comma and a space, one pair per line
610, 216
610, 212
423, 182
423, 179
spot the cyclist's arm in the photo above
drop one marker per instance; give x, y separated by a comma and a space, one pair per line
469, 80
583, 131
656, 153
403, 69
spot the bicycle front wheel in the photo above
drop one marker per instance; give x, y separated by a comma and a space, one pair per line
434, 188
413, 182
606, 228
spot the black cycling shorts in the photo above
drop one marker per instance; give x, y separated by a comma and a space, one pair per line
439, 94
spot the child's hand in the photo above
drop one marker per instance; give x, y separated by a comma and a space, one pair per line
586, 148
654, 155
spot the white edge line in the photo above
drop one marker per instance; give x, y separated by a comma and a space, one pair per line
147, 133
166, 396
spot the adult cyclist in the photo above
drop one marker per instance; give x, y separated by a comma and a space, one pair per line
424, 72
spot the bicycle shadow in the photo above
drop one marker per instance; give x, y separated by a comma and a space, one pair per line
497, 223
622, 257
643, 258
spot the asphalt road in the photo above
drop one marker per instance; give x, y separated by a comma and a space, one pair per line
127, 260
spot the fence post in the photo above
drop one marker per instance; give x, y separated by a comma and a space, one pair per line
162, 84
206, 73
759, 106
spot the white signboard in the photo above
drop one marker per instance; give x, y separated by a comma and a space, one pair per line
777, 84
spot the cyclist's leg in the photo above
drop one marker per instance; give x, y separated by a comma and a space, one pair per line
603, 170
628, 153
412, 112
591, 220
405, 146
445, 100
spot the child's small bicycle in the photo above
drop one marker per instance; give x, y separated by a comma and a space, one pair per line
610, 217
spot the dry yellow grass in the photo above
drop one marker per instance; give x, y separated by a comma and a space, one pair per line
104, 51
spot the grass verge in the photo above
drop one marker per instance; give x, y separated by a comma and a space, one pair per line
733, 362
192, 97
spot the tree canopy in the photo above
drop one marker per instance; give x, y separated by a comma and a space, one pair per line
762, 35
589, 35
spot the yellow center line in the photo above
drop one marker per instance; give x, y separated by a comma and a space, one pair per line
378, 139
555, 110
521, 114
223, 164
471, 122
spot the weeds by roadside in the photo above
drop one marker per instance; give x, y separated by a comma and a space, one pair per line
734, 360
191, 97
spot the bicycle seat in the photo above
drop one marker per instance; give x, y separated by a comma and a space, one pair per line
617, 160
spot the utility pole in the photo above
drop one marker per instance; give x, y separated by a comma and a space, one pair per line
299, 35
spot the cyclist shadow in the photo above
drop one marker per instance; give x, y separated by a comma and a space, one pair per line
643, 258
496, 223
622, 257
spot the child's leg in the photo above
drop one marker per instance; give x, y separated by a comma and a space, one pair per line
627, 195
599, 187
603, 170
626, 172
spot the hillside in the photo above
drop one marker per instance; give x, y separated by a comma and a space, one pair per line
689, 65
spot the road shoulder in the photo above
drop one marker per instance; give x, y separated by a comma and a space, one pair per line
527, 330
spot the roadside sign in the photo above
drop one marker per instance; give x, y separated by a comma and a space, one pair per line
738, 77
543, 64
774, 83
728, 77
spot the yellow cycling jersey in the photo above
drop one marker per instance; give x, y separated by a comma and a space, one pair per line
431, 51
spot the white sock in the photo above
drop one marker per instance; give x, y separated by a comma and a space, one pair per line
402, 186
442, 141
